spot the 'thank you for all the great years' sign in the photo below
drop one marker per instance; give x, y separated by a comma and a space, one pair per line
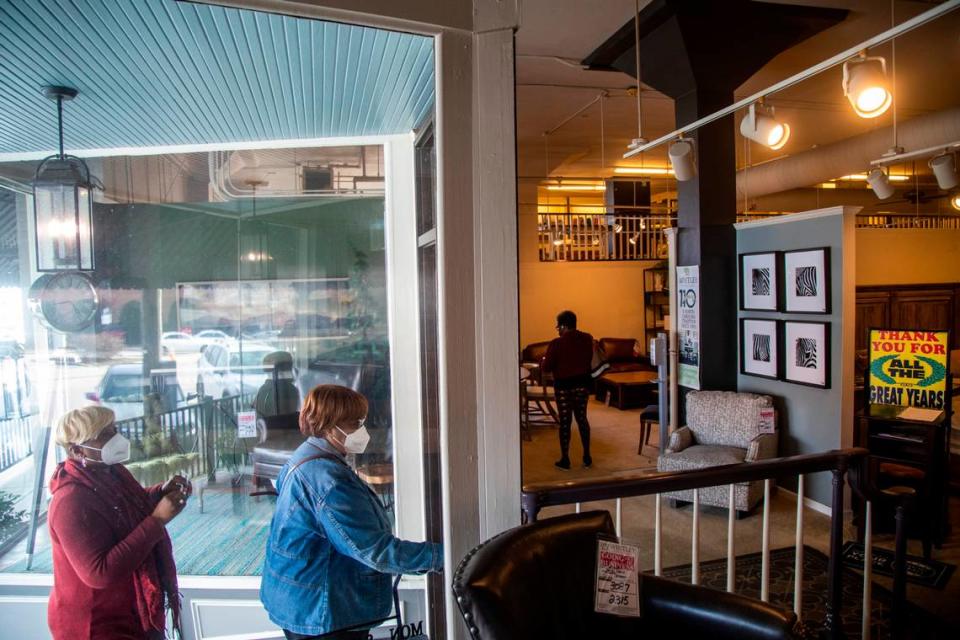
908, 368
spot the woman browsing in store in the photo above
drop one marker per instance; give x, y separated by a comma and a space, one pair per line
113, 571
331, 550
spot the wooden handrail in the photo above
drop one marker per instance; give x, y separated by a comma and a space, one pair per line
537, 495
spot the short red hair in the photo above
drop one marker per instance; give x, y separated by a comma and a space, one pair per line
328, 405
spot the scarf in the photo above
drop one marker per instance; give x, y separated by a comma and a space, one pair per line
155, 580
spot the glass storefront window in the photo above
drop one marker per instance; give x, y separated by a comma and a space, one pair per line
225, 283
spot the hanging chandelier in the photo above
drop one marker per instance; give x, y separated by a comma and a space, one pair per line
63, 203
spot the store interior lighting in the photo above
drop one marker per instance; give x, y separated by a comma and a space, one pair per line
944, 167
880, 184
643, 171
762, 127
682, 160
593, 186
866, 87
955, 201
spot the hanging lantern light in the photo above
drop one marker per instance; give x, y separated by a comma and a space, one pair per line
63, 204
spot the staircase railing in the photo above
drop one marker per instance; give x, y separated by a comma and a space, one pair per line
538, 495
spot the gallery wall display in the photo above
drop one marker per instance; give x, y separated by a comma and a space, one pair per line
759, 348
806, 275
806, 353
760, 281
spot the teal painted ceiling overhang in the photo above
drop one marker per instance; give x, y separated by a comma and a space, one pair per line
156, 73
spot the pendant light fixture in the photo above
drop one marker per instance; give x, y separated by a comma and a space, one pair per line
865, 85
762, 127
63, 203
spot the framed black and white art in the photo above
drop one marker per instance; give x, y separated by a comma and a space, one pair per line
806, 276
759, 352
759, 281
806, 353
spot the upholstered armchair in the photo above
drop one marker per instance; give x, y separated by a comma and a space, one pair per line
537, 581
722, 428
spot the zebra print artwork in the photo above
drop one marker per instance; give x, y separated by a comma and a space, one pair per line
760, 281
806, 349
806, 280
761, 347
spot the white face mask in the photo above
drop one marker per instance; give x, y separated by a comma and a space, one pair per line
115, 451
357, 441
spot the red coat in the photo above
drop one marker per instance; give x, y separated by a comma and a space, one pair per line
95, 556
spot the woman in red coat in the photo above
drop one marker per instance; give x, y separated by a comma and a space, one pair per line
113, 570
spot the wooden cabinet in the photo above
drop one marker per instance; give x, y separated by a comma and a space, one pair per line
933, 307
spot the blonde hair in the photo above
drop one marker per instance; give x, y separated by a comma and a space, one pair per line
81, 425
328, 405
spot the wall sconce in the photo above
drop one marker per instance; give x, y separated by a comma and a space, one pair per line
63, 204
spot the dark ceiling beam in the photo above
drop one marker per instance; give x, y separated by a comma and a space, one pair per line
698, 53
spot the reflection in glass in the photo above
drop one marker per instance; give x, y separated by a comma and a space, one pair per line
199, 288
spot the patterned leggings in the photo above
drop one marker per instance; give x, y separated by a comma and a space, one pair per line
572, 403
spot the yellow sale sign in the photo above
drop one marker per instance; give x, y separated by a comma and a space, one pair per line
908, 368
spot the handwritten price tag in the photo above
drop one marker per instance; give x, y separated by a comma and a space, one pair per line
618, 589
247, 424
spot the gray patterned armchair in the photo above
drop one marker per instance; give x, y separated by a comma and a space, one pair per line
722, 428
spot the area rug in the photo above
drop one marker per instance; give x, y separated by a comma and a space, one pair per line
713, 574
929, 573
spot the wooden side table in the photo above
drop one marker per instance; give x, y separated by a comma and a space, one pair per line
627, 389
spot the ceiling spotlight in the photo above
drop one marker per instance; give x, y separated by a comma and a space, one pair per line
760, 126
865, 85
633, 238
944, 169
955, 201
681, 159
880, 184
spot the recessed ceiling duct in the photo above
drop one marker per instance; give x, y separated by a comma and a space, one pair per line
846, 157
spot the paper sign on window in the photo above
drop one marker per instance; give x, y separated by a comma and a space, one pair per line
247, 424
617, 590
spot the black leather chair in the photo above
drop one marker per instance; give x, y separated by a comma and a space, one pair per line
537, 581
279, 438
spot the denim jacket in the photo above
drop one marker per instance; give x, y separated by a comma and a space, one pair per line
331, 551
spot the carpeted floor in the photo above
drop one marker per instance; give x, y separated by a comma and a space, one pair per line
713, 574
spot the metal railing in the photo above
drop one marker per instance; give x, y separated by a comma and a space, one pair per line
15, 443
575, 237
906, 221
536, 496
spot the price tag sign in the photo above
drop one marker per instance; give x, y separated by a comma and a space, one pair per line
768, 421
247, 424
618, 582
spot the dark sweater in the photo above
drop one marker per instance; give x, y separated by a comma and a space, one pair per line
568, 359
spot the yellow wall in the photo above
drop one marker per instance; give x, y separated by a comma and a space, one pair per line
907, 256
606, 296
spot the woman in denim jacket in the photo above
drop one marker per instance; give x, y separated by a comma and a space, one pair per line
331, 550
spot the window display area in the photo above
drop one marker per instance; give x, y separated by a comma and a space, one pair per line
199, 312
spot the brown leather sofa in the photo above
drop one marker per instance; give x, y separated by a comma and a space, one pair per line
621, 357
537, 581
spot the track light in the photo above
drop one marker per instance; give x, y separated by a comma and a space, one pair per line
880, 184
682, 161
944, 169
633, 239
762, 127
865, 85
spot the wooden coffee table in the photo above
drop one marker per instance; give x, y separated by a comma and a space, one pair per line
627, 389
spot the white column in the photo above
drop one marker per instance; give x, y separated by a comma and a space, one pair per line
731, 555
765, 551
695, 540
798, 562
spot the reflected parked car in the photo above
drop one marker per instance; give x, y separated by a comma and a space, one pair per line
209, 336
123, 386
231, 368
178, 342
